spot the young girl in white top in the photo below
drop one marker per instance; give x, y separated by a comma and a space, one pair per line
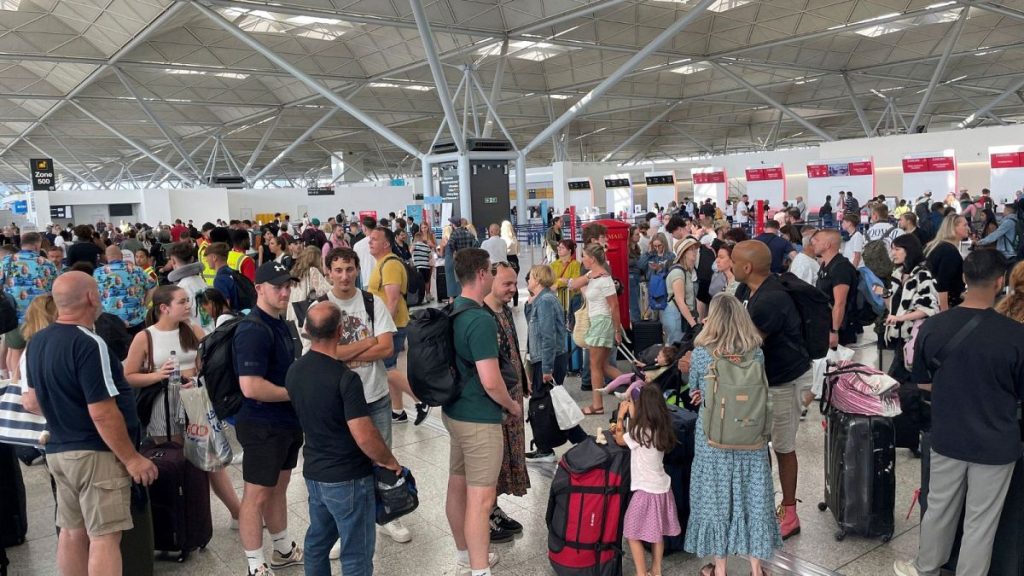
652, 511
149, 363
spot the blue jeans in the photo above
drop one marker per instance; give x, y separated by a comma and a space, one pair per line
399, 341
672, 322
380, 415
345, 509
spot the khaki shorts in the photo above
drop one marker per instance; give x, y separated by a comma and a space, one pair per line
476, 451
786, 408
93, 491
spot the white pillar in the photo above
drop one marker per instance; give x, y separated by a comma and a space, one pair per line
465, 200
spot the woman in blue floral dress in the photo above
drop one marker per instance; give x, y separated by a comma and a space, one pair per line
732, 500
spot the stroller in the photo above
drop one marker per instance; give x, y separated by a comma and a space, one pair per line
673, 383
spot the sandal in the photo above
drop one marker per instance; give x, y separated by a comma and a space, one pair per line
591, 411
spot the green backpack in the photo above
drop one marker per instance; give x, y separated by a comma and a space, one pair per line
737, 408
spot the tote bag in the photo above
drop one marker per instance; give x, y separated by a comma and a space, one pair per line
579, 331
18, 425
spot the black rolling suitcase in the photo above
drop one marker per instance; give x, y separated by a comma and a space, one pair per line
13, 513
678, 464
646, 333
137, 543
441, 285
1008, 547
179, 500
860, 474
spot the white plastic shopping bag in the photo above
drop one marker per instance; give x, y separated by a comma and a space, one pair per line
819, 366
567, 412
206, 445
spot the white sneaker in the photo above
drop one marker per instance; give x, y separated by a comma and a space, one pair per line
492, 560
234, 524
904, 568
397, 531
335, 551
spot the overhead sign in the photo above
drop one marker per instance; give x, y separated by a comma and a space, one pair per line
840, 169
43, 177
761, 174
320, 191
708, 177
932, 164
19, 206
62, 212
1007, 159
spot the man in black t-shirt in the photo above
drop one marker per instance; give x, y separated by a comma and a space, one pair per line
786, 361
977, 383
341, 446
838, 280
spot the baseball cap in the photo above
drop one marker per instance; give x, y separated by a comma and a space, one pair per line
274, 273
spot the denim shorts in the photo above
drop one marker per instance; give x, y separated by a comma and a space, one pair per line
399, 339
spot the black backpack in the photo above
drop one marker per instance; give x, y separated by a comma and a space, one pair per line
815, 313
415, 288
8, 312
244, 289
217, 365
547, 434
433, 374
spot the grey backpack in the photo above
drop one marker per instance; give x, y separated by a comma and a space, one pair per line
737, 408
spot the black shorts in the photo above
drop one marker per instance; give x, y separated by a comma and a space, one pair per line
268, 451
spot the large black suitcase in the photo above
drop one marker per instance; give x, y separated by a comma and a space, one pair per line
678, 464
860, 474
179, 500
13, 514
646, 333
1008, 546
441, 284
137, 543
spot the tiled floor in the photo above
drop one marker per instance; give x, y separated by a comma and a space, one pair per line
424, 450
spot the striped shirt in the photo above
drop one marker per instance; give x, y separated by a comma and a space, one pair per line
421, 254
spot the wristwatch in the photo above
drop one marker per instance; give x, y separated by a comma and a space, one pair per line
833, 331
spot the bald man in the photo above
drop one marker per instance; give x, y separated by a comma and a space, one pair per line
787, 363
90, 413
124, 289
495, 244
838, 280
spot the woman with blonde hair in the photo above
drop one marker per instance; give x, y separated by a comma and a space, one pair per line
732, 499
680, 316
41, 312
945, 261
312, 284
605, 324
1012, 305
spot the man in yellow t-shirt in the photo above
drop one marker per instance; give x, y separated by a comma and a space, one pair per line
390, 282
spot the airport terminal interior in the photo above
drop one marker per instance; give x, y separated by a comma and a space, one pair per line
303, 113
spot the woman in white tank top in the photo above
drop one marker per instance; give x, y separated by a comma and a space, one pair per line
169, 330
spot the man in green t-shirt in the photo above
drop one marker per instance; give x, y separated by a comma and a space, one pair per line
474, 419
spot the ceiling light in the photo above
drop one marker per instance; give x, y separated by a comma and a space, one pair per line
559, 96
720, 6
187, 72
910, 22
984, 50
11, 5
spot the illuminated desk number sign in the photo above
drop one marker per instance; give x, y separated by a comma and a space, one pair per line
43, 177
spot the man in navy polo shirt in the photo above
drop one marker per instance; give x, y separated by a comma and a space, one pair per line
267, 426
780, 248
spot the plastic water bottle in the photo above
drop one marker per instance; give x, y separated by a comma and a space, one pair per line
175, 378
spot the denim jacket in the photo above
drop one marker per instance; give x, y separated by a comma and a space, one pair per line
547, 332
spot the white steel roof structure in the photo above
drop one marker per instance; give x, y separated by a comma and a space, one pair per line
140, 92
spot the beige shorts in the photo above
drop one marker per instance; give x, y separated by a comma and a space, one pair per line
786, 408
476, 451
93, 491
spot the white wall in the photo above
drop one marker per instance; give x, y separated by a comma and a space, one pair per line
198, 204
296, 201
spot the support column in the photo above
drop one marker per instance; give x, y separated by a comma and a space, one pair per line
465, 200
521, 209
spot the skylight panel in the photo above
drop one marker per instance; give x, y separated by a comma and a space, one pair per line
187, 72
527, 50
415, 87
720, 6
11, 5
912, 22
692, 68
262, 21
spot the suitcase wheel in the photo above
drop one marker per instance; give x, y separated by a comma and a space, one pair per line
822, 506
886, 537
840, 535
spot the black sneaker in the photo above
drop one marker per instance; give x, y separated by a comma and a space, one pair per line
399, 417
503, 522
586, 387
537, 456
422, 410
498, 535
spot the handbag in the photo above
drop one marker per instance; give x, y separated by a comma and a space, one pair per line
820, 366
206, 445
395, 494
145, 398
17, 425
582, 325
908, 346
567, 412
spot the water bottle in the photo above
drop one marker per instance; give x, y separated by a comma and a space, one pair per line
175, 378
